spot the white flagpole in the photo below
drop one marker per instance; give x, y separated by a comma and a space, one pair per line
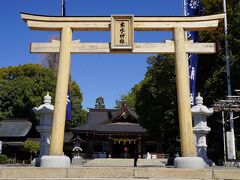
184, 8
63, 8
185, 14
228, 77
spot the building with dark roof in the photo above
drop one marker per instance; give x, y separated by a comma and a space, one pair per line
14, 128
115, 133
13, 134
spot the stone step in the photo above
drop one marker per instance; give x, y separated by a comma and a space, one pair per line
116, 173
97, 179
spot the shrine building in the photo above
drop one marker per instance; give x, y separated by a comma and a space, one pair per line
115, 133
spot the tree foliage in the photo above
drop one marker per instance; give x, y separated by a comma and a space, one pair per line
99, 104
211, 80
212, 75
23, 87
154, 98
129, 98
79, 115
31, 146
3, 159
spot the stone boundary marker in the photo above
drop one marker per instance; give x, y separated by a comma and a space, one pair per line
116, 173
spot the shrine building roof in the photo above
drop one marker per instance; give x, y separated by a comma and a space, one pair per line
122, 120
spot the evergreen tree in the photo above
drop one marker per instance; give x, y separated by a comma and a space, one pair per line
155, 98
23, 87
100, 103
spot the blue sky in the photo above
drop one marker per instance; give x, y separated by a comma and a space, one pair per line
108, 76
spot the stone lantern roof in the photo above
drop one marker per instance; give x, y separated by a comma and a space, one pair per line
199, 108
47, 107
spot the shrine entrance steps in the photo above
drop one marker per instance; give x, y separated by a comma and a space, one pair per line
116, 173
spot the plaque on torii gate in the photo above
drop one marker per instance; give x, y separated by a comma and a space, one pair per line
122, 32
180, 46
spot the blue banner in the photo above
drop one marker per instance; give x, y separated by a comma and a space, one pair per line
69, 107
193, 9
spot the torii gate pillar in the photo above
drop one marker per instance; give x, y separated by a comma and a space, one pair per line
59, 114
183, 94
188, 159
57, 158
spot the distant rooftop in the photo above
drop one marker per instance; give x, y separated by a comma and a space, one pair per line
14, 127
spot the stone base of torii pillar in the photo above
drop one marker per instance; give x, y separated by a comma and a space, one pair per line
55, 161
189, 162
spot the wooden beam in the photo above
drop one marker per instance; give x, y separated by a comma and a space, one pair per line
169, 26
58, 41
76, 26
26, 17
50, 23
138, 26
139, 48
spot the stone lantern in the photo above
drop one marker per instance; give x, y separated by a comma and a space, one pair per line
45, 111
200, 129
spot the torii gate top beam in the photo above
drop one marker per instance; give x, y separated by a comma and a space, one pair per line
56, 23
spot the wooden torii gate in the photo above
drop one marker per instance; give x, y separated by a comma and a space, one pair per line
180, 46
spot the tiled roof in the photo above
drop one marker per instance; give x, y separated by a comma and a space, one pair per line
14, 128
119, 127
111, 120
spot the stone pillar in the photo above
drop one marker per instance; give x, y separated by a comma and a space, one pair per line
45, 111
200, 129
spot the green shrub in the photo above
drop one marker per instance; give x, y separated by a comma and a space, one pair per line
31, 146
238, 154
3, 159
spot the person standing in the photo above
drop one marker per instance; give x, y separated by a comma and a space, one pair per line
136, 154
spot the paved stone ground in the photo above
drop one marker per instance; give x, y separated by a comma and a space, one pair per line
119, 169
100, 162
